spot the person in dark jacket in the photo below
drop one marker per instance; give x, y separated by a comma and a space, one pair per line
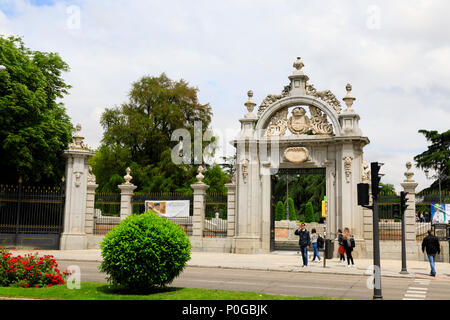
431, 244
304, 242
341, 246
349, 244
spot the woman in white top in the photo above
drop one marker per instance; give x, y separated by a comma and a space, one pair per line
314, 237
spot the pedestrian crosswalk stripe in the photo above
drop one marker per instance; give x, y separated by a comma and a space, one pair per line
411, 299
417, 288
416, 292
415, 295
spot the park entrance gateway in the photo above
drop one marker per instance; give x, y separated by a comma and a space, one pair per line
301, 185
301, 128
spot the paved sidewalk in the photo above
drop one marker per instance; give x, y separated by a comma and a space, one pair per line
289, 261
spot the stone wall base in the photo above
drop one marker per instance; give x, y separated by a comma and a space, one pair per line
73, 242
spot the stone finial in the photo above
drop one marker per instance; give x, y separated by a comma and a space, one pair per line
349, 99
200, 176
250, 104
127, 177
78, 138
298, 64
409, 174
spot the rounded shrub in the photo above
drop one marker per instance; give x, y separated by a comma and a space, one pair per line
144, 251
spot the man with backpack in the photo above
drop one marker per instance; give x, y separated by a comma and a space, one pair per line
431, 244
304, 242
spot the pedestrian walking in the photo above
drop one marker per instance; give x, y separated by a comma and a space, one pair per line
314, 241
304, 242
349, 244
421, 217
341, 249
431, 244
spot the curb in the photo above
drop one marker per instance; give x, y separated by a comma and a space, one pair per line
389, 275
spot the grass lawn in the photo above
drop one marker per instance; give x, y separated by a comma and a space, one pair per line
102, 291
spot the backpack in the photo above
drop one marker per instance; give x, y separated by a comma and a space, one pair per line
320, 242
352, 242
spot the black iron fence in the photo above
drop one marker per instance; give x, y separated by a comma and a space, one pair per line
31, 216
390, 228
216, 217
106, 212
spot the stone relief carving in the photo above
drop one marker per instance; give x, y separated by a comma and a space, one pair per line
245, 170
365, 176
91, 176
296, 154
271, 98
278, 124
325, 95
298, 123
348, 167
319, 122
78, 178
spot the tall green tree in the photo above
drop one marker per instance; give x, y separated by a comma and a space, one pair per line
309, 213
34, 127
138, 134
437, 154
280, 211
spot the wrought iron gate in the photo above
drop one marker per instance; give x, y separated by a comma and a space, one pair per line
31, 216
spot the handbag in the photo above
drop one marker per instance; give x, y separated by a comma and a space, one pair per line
341, 249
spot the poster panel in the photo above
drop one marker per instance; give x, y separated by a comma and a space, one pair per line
440, 213
169, 208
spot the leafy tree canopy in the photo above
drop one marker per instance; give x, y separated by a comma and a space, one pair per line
34, 128
437, 154
138, 134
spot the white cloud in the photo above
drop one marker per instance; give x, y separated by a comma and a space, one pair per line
399, 69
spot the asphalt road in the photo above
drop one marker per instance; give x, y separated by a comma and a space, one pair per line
293, 283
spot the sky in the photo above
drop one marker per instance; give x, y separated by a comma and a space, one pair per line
394, 53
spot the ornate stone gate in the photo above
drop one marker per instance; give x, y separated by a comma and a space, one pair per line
299, 128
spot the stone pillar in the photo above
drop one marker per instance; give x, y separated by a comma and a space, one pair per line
77, 171
198, 219
126, 194
90, 202
409, 185
231, 208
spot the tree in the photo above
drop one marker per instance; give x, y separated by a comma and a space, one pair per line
34, 128
292, 211
309, 213
437, 154
138, 134
280, 211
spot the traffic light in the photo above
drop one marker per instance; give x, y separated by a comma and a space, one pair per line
363, 194
396, 211
403, 201
376, 177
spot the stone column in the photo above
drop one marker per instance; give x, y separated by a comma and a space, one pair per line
126, 193
409, 185
90, 202
368, 213
231, 207
77, 171
198, 219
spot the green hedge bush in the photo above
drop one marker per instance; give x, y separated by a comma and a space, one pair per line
144, 251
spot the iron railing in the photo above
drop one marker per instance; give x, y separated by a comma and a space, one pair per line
215, 225
106, 212
31, 209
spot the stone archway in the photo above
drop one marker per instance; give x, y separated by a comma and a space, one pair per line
326, 138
